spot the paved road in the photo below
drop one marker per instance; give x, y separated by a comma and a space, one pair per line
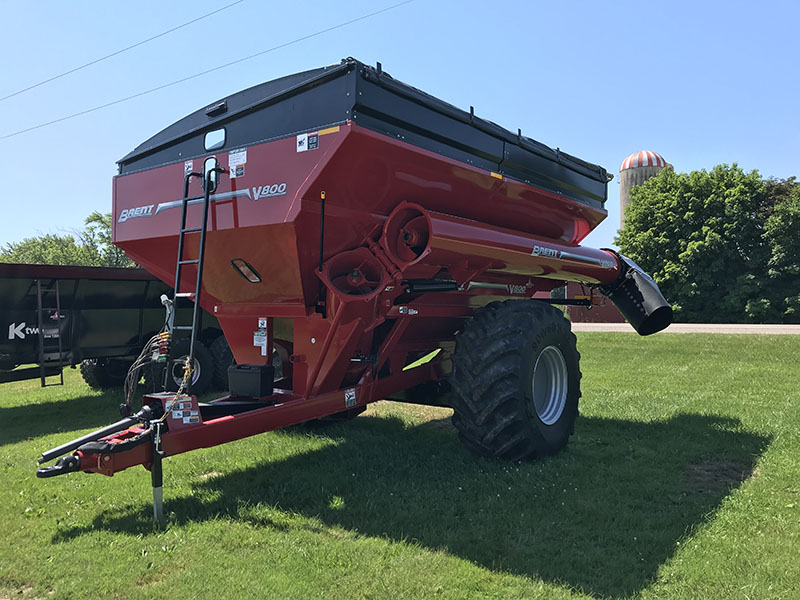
695, 328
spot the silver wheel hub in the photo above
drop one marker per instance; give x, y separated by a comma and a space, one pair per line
177, 370
549, 385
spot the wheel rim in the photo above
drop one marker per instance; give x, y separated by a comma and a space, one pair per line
549, 385
177, 370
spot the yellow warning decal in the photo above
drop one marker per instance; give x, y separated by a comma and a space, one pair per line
493, 174
329, 130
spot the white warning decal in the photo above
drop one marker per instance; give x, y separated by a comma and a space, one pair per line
260, 336
236, 162
308, 141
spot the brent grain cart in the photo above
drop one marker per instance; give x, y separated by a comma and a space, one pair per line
394, 243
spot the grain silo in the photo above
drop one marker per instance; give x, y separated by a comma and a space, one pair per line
635, 170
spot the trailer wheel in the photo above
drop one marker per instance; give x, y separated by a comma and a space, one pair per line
104, 373
202, 376
516, 379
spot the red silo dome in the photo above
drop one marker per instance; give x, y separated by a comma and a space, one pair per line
645, 158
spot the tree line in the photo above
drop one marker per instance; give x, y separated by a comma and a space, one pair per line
723, 245
90, 246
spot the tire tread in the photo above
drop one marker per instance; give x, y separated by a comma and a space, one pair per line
490, 413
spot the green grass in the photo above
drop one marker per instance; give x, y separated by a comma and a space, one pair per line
682, 481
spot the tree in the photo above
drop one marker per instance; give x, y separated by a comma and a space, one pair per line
782, 232
97, 235
90, 246
48, 249
719, 243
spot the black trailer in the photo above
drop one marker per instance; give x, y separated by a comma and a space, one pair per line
97, 317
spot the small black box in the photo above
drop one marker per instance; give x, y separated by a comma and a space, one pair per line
252, 381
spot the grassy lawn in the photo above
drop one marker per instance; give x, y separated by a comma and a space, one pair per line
682, 481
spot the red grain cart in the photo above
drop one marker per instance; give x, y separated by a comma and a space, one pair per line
358, 225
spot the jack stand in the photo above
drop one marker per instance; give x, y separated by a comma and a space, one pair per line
157, 475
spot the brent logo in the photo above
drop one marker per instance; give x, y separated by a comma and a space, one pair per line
544, 251
140, 211
267, 191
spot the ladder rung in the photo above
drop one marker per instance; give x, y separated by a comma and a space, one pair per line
183, 327
191, 229
194, 261
185, 295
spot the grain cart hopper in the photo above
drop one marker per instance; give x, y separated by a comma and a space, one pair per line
371, 225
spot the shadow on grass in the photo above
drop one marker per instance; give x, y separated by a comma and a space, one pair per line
19, 423
600, 517
28, 421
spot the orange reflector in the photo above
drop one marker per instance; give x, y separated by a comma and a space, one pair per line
596, 300
246, 270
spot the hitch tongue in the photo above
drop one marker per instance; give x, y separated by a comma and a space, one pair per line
143, 415
65, 464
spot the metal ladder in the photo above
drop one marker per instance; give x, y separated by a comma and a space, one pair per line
46, 370
209, 181
209, 184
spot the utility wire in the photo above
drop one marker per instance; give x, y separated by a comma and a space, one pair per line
206, 72
107, 56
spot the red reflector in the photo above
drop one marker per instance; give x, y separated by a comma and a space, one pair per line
246, 270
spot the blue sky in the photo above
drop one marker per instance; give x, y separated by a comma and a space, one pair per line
699, 82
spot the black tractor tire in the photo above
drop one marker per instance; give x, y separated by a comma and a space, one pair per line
204, 369
104, 373
223, 358
516, 381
